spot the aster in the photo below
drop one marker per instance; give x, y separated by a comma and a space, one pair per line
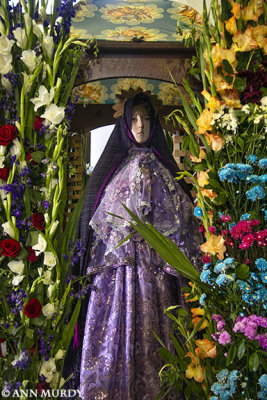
198, 212
252, 159
224, 338
256, 193
253, 178
222, 375
217, 388
263, 163
219, 267
245, 217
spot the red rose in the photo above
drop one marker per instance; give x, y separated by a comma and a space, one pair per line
42, 386
38, 123
38, 221
3, 348
4, 172
7, 134
33, 308
31, 255
29, 158
9, 247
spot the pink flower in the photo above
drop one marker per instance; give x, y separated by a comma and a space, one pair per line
201, 228
225, 232
224, 338
212, 229
240, 229
226, 218
220, 325
230, 242
247, 241
254, 222
244, 246
206, 259
247, 261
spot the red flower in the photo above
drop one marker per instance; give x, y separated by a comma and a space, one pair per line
38, 123
254, 222
38, 221
9, 247
42, 386
226, 218
33, 308
240, 229
31, 255
4, 172
212, 229
32, 350
29, 158
206, 259
3, 348
7, 134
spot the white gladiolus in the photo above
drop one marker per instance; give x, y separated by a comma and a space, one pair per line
2, 159
44, 97
15, 149
21, 38
2, 28
50, 290
36, 29
53, 227
6, 83
28, 22
17, 279
53, 115
40, 246
5, 64
54, 383
47, 278
60, 354
48, 44
3, 195
46, 217
40, 271
29, 58
49, 310
22, 165
8, 229
5, 45
48, 369
49, 259
26, 77
2, 151
16, 266
264, 101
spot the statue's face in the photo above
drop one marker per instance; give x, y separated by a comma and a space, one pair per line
140, 124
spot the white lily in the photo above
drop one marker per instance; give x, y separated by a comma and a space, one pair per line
16, 266
17, 279
49, 310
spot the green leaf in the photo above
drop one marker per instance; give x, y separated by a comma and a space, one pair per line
262, 359
215, 184
231, 355
200, 167
182, 312
220, 199
188, 110
69, 329
193, 146
23, 254
228, 78
253, 362
240, 142
185, 142
242, 271
241, 350
37, 156
32, 239
240, 84
167, 356
179, 350
227, 67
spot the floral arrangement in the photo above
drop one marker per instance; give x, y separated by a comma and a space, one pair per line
220, 340
38, 66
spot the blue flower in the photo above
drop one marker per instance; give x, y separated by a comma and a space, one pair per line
205, 275
263, 163
217, 388
233, 376
245, 217
198, 212
219, 267
265, 214
225, 395
223, 279
263, 178
263, 381
252, 159
264, 277
229, 261
206, 266
202, 299
214, 398
253, 178
222, 375
261, 264
257, 192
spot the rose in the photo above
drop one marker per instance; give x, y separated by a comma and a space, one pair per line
37, 123
4, 172
38, 221
9, 247
5, 64
7, 134
31, 255
33, 308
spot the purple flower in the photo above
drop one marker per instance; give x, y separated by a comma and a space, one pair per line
46, 204
224, 338
262, 339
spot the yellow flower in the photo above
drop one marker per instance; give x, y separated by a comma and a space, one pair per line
202, 156
214, 141
204, 121
259, 33
213, 104
230, 25
194, 369
236, 10
204, 324
209, 193
253, 10
197, 311
205, 348
214, 245
195, 298
220, 83
203, 178
244, 41
231, 98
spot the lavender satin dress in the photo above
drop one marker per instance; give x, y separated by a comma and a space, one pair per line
133, 285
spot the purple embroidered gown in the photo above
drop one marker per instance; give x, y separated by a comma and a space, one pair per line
133, 285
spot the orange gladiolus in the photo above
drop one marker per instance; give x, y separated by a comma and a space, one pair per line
204, 324
231, 98
259, 33
244, 41
220, 83
202, 156
230, 25
215, 141
209, 193
236, 10
194, 369
213, 104
195, 298
203, 178
204, 121
197, 311
253, 10
205, 348
214, 245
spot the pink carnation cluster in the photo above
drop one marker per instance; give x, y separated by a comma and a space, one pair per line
249, 326
223, 337
243, 230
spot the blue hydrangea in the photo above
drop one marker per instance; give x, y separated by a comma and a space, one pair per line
206, 266
222, 375
263, 384
263, 178
225, 395
253, 178
263, 381
245, 217
234, 172
198, 212
217, 388
256, 193
229, 261
205, 275
233, 376
219, 267
202, 299
252, 159
228, 174
214, 398
261, 264
263, 163
223, 279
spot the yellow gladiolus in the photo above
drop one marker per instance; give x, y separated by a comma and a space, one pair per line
204, 324
231, 98
204, 121
236, 10
203, 178
215, 246
194, 369
230, 25
244, 41
202, 156
205, 348
214, 141
209, 193
259, 33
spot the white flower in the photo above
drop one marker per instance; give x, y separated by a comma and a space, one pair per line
40, 271
264, 101
16, 266
50, 290
21, 38
49, 310
54, 383
5, 45
44, 192
15, 149
17, 279
48, 369
257, 119
49, 259
48, 44
44, 97
53, 115
6, 83
26, 77
47, 278
8, 229
36, 29
5, 64
2, 159
40, 246
53, 227
246, 109
2, 151
60, 354
46, 217
29, 58
3, 195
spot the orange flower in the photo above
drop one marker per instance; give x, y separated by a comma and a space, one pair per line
214, 141
204, 121
236, 10
259, 33
244, 41
202, 156
231, 98
218, 54
209, 193
195, 298
197, 311
205, 348
220, 83
204, 324
215, 245
194, 369
230, 25
203, 178
213, 104
253, 10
